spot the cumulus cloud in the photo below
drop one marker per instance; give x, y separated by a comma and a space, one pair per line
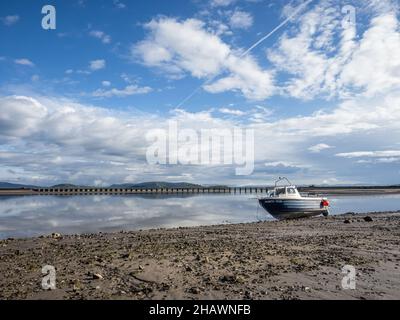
376, 54
373, 157
179, 47
95, 65
370, 154
119, 5
319, 57
24, 62
325, 58
182, 46
246, 77
256, 114
241, 20
10, 20
233, 112
319, 147
68, 141
222, 3
56, 139
20, 116
125, 92
105, 38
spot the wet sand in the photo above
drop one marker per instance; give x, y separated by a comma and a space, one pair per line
299, 259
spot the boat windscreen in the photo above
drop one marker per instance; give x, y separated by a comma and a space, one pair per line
279, 191
291, 190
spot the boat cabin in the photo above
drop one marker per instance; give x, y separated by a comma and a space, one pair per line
284, 192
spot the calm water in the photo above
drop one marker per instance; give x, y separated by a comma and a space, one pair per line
33, 216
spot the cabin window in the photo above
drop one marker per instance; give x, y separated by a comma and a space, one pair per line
291, 191
280, 191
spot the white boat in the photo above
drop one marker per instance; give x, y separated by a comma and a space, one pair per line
285, 202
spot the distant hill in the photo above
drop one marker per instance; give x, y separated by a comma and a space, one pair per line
148, 185
68, 186
156, 185
6, 185
218, 186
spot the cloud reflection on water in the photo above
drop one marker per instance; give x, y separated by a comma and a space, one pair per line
38, 215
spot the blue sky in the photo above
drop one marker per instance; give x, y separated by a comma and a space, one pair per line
323, 97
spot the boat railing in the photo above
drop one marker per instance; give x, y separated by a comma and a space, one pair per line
283, 179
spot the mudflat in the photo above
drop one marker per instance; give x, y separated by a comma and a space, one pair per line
299, 259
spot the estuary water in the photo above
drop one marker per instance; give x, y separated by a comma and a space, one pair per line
28, 216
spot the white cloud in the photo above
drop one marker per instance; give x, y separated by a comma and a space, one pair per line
68, 141
388, 160
222, 3
94, 138
10, 20
106, 83
370, 154
95, 65
241, 20
24, 62
245, 76
260, 114
376, 54
187, 47
127, 91
372, 157
282, 164
319, 147
20, 116
324, 59
233, 112
119, 5
182, 46
105, 38
84, 72
219, 28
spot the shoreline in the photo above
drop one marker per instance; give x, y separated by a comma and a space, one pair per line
296, 259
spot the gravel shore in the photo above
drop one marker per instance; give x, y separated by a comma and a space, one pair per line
300, 259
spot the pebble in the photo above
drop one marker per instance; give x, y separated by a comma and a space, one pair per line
56, 235
76, 285
97, 276
232, 279
188, 269
195, 290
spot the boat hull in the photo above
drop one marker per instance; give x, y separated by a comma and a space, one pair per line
294, 208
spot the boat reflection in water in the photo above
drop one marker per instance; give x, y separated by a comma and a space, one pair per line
285, 202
